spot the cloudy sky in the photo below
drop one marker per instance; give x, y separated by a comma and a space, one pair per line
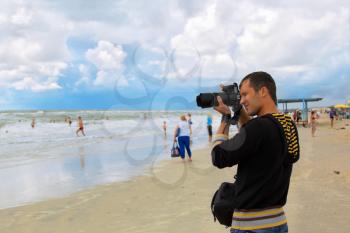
141, 54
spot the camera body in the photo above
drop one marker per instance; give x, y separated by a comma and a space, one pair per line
230, 96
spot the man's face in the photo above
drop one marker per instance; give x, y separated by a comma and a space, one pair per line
250, 99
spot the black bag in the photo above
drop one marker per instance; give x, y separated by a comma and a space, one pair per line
223, 204
175, 151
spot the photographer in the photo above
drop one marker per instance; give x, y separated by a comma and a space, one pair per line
264, 150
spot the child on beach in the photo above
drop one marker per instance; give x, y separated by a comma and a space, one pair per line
164, 128
69, 121
81, 126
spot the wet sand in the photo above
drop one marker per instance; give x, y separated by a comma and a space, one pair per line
175, 196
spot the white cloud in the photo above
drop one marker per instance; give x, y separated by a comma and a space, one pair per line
84, 76
298, 42
218, 66
21, 17
125, 21
36, 76
207, 41
28, 83
110, 79
108, 58
205, 32
287, 41
150, 62
33, 50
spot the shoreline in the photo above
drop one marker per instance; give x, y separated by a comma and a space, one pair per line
175, 196
82, 168
138, 189
51, 161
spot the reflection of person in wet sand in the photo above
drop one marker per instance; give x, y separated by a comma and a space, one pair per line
81, 126
33, 123
164, 127
82, 157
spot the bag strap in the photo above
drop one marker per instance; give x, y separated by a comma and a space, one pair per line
175, 144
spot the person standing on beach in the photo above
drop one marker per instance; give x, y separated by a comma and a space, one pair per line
189, 120
332, 114
189, 116
264, 149
80, 126
33, 123
295, 115
209, 126
164, 128
313, 122
69, 121
298, 117
182, 132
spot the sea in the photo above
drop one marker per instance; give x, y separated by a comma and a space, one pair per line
50, 160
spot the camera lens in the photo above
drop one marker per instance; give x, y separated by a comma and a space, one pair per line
206, 100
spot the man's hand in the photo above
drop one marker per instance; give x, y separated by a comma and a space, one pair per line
222, 108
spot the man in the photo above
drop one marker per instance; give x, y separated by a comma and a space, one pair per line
332, 114
81, 126
264, 150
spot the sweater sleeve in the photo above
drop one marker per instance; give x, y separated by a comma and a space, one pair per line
242, 146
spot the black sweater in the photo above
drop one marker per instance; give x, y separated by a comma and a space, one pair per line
261, 151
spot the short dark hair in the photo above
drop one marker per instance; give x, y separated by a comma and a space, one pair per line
260, 79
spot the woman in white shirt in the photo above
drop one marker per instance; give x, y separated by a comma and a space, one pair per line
182, 132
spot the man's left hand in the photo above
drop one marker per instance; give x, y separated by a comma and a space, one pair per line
222, 108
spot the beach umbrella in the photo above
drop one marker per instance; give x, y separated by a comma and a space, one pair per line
341, 106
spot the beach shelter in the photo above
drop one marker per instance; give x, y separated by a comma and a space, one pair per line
341, 106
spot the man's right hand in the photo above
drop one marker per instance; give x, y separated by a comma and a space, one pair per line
243, 117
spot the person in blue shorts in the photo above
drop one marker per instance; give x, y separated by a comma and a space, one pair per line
209, 126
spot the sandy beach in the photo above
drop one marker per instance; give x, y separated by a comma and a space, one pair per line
175, 197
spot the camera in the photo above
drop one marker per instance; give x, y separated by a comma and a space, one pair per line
229, 95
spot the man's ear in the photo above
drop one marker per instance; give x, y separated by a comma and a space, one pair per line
263, 91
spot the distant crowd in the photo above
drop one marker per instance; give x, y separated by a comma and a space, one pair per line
68, 120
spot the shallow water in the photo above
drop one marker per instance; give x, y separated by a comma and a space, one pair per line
51, 161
